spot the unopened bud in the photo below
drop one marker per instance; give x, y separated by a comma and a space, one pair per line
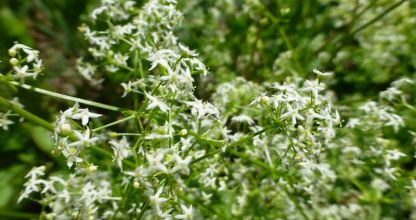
183, 132
92, 168
56, 152
136, 184
66, 129
264, 100
113, 134
14, 61
12, 52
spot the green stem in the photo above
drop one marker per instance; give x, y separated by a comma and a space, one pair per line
249, 159
381, 15
109, 154
219, 144
114, 123
25, 114
67, 97
18, 215
39, 121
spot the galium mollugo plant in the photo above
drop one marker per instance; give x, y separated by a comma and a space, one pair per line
274, 150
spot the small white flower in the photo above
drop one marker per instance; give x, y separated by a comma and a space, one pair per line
185, 50
36, 172
156, 200
4, 120
187, 213
163, 58
181, 164
391, 93
401, 82
155, 102
84, 139
120, 59
84, 115
121, 150
22, 72
155, 162
201, 109
243, 118
293, 114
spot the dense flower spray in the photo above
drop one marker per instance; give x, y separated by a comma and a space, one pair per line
272, 150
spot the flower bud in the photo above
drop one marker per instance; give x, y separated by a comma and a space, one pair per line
136, 184
14, 61
12, 52
66, 129
92, 168
264, 100
183, 132
56, 152
113, 134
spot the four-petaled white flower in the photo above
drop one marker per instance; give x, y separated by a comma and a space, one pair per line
181, 164
84, 115
121, 150
22, 72
155, 162
84, 139
156, 200
4, 120
187, 213
156, 102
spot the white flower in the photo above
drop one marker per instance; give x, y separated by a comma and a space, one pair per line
293, 114
156, 200
391, 93
84, 139
22, 72
200, 109
120, 59
34, 183
163, 58
121, 150
401, 82
155, 102
187, 213
155, 162
243, 118
128, 87
4, 120
185, 50
181, 164
393, 155
36, 172
84, 115
86, 70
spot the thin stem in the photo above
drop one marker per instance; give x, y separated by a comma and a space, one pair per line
18, 215
39, 121
126, 134
25, 114
114, 123
67, 97
364, 26
286, 40
219, 143
381, 15
109, 154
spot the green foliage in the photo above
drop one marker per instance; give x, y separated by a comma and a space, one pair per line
243, 125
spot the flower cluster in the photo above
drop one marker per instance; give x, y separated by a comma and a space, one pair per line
25, 61
275, 148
